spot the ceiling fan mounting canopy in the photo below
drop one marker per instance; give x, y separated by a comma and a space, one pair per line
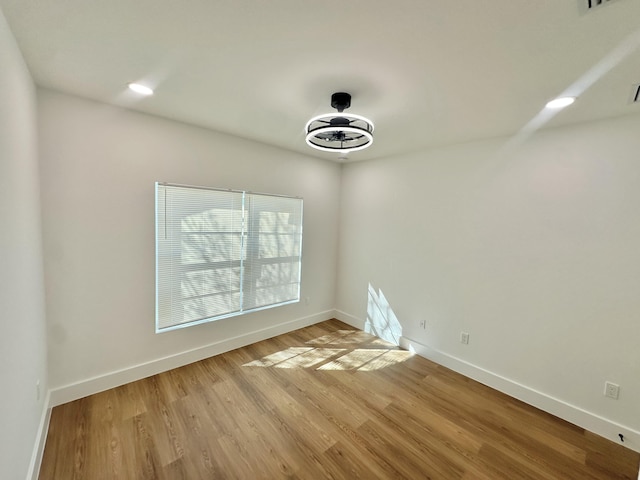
341, 101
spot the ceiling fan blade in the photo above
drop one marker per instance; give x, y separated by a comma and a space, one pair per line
353, 137
326, 136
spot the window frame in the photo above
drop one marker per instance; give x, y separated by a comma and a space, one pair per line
250, 255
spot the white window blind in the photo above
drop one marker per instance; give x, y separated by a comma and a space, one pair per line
221, 253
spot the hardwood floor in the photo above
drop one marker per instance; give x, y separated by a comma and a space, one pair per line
326, 401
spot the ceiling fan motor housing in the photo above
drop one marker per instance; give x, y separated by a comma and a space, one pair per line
339, 122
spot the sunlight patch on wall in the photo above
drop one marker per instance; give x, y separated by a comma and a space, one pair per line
381, 321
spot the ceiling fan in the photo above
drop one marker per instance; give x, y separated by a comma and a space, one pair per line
343, 132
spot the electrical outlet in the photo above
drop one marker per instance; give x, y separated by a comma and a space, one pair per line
611, 390
423, 324
464, 338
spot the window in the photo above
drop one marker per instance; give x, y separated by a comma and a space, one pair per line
221, 253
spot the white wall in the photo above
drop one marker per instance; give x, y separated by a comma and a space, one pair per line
22, 341
534, 250
99, 164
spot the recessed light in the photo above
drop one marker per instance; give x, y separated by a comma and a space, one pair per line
561, 102
141, 89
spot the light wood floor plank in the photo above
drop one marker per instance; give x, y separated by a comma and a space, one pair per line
326, 401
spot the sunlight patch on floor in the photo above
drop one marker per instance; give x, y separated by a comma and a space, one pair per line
362, 359
367, 359
341, 337
332, 353
296, 357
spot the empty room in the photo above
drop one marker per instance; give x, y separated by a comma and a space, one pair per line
290, 239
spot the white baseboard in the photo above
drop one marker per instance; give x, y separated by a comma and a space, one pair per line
582, 418
349, 319
114, 379
41, 438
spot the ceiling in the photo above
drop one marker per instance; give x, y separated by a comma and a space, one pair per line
427, 73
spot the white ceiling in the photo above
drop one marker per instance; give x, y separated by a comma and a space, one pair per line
427, 73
